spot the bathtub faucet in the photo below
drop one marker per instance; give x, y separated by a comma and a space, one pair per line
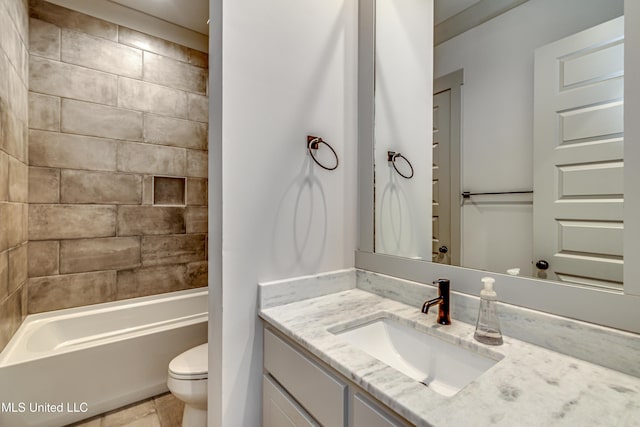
444, 318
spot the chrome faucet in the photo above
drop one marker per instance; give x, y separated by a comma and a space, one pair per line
444, 318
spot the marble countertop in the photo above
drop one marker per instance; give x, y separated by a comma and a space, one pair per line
530, 386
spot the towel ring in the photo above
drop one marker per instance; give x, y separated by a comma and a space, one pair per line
313, 143
392, 156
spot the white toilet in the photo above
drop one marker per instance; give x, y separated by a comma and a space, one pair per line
188, 374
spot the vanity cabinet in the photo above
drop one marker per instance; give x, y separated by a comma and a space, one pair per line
300, 390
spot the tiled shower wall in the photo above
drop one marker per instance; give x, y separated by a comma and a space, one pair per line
109, 109
14, 62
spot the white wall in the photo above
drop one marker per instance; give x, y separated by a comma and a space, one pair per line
497, 120
403, 123
288, 70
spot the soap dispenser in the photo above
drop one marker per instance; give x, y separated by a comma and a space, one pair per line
488, 326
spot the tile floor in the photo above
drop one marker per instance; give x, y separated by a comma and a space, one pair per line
159, 411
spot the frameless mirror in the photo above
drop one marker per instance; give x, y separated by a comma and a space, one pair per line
525, 117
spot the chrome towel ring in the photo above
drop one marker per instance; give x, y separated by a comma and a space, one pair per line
392, 156
313, 143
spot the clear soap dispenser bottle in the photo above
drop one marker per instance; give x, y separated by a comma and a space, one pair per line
488, 326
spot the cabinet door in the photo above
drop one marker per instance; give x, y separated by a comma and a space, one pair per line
280, 410
320, 392
367, 414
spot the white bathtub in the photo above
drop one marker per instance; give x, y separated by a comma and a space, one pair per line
67, 365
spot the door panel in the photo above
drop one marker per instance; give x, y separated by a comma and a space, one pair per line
586, 180
593, 65
603, 238
591, 122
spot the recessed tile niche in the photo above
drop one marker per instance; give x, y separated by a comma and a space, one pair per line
169, 191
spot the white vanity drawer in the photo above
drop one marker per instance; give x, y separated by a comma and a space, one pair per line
280, 410
320, 393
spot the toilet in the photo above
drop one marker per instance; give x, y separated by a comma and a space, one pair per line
188, 374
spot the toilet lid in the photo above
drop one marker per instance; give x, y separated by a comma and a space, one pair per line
190, 365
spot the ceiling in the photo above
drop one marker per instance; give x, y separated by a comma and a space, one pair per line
445, 9
192, 14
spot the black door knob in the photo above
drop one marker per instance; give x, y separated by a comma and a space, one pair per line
542, 264
443, 249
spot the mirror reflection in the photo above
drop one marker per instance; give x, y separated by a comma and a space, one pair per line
527, 104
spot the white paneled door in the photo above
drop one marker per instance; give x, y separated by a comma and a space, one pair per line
578, 157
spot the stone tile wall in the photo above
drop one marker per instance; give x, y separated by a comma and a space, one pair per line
14, 169
109, 109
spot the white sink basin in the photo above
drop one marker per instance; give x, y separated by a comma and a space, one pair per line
443, 367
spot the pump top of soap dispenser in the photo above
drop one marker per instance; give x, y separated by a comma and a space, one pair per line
488, 292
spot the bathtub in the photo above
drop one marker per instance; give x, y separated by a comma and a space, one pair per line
67, 365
